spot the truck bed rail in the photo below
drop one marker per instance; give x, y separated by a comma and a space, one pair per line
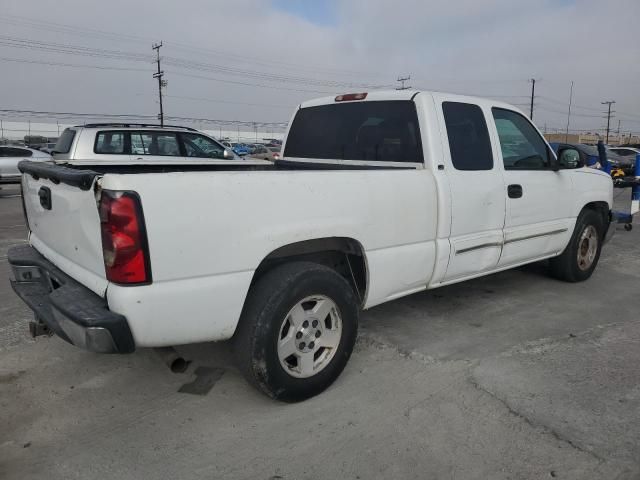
82, 179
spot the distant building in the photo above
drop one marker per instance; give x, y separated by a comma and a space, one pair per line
591, 138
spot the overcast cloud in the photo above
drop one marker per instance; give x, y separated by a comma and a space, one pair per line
488, 48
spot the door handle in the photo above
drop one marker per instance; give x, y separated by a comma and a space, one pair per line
514, 191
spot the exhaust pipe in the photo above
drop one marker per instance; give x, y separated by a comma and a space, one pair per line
172, 359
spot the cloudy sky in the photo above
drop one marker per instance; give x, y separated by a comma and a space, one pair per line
254, 60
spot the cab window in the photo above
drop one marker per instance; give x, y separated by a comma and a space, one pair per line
522, 146
468, 136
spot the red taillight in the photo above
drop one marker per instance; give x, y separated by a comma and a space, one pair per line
124, 239
347, 97
275, 156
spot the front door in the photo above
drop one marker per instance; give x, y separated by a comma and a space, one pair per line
476, 191
538, 221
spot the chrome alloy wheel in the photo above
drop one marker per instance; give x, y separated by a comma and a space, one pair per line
587, 247
309, 336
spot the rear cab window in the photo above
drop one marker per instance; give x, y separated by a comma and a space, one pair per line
377, 131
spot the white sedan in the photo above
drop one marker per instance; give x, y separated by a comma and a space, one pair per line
10, 156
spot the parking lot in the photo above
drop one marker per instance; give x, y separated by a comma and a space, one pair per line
514, 375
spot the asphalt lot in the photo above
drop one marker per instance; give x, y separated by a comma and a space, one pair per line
512, 376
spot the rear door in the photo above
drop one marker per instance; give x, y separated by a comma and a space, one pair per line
477, 190
155, 146
538, 221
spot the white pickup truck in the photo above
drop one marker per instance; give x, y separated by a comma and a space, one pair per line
378, 195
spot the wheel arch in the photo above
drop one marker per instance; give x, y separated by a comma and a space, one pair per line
601, 207
343, 254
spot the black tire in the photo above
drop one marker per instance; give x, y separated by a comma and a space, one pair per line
566, 266
269, 301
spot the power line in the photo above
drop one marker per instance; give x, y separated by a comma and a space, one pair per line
213, 100
101, 34
73, 65
69, 49
13, 113
288, 89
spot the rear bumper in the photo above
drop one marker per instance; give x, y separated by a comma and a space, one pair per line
69, 309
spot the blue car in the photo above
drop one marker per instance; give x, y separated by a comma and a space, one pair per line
240, 149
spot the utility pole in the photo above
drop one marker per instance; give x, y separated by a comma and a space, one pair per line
608, 103
533, 94
566, 135
402, 80
161, 83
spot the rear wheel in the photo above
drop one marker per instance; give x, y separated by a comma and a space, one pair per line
297, 330
580, 258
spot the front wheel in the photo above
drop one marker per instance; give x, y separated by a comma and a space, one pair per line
579, 259
297, 330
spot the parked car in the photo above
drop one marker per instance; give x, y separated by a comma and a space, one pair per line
590, 157
379, 195
10, 156
628, 155
127, 144
48, 148
266, 153
240, 149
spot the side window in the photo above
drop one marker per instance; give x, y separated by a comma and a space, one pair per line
15, 152
522, 147
22, 152
468, 135
155, 143
109, 143
200, 146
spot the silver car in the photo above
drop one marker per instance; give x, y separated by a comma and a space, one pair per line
10, 156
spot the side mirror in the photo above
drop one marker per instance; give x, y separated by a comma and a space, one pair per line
569, 158
228, 154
